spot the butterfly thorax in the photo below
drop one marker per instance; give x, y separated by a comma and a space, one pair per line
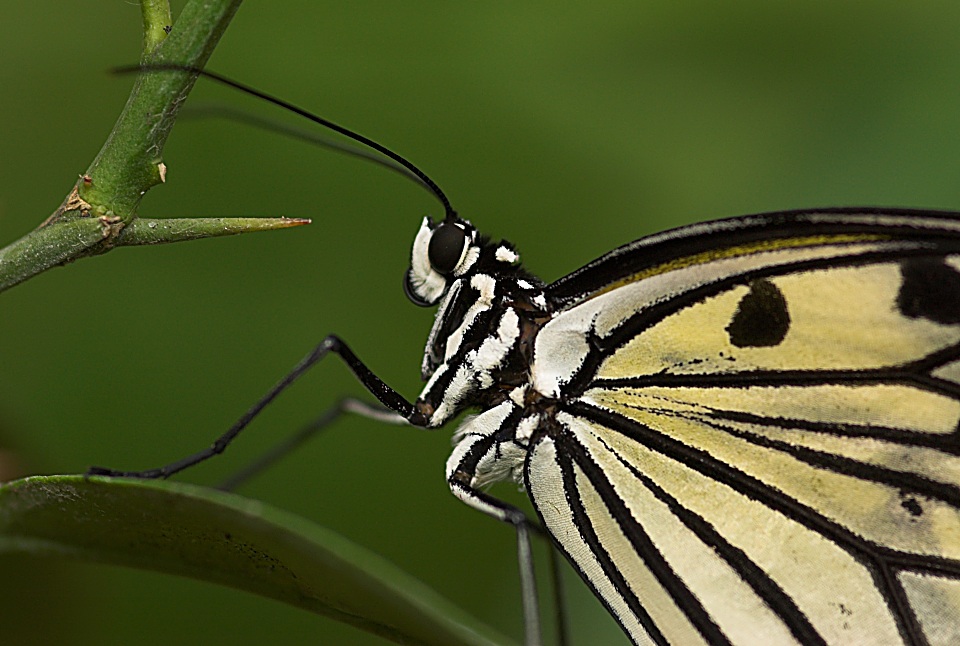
490, 309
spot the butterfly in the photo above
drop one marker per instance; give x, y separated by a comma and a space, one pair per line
742, 431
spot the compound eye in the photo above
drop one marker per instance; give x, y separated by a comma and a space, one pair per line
446, 247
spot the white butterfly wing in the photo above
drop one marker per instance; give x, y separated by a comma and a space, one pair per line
759, 445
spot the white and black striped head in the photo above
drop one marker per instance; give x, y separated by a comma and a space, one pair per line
446, 251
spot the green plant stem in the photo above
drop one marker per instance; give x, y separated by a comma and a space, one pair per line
129, 163
157, 23
104, 200
47, 247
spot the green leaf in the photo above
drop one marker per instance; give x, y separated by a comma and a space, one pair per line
223, 538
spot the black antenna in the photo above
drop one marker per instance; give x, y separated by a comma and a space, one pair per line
345, 148
286, 105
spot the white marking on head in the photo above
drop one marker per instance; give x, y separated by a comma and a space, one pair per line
471, 253
427, 283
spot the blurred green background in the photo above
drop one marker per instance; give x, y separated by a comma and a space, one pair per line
567, 128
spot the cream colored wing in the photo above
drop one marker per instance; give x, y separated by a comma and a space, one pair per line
767, 456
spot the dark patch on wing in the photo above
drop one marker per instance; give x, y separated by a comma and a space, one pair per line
912, 506
930, 290
761, 319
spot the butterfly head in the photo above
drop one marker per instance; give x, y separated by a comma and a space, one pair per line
442, 252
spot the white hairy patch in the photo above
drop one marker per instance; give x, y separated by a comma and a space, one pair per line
484, 424
526, 427
460, 385
467, 259
492, 351
505, 254
439, 372
427, 283
486, 285
504, 461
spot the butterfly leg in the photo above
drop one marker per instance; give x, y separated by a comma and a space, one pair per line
289, 445
479, 458
510, 514
387, 396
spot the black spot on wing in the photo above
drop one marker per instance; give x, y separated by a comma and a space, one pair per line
930, 290
761, 319
912, 506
